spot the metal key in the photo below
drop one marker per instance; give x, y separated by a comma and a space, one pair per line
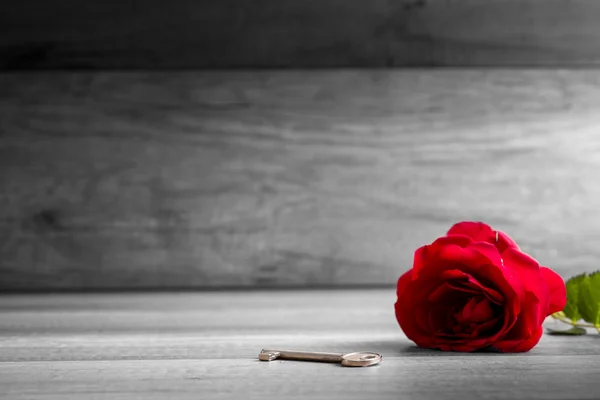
358, 359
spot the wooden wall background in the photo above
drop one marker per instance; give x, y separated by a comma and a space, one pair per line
179, 163
274, 178
290, 33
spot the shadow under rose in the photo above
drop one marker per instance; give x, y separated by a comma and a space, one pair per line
549, 345
395, 348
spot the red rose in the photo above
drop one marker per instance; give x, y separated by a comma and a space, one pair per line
473, 289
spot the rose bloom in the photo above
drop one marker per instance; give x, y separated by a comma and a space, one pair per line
475, 289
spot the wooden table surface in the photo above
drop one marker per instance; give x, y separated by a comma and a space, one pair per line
204, 345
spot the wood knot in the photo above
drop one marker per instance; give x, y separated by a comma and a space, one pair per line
48, 219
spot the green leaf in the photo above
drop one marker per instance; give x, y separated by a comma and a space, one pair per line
571, 309
573, 331
589, 299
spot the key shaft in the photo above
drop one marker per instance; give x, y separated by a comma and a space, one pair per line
270, 355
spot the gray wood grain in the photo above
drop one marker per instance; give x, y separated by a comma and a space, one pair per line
287, 33
204, 345
298, 178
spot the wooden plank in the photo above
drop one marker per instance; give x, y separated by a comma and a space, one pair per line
288, 33
188, 179
199, 345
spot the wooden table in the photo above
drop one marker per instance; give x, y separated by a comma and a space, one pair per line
204, 345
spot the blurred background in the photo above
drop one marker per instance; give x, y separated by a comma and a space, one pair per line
276, 143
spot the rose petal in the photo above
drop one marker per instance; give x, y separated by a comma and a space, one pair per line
528, 271
455, 257
465, 286
557, 290
482, 311
408, 323
488, 251
411, 296
519, 346
481, 232
475, 310
490, 293
504, 242
458, 240
526, 326
421, 319
464, 315
465, 283
469, 258
478, 231
444, 291
419, 260
459, 280
450, 275
482, 328
440, 317
403, 282
443, 247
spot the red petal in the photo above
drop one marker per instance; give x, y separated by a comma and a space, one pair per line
485, 326
442, 291
403, 282
465, 314
504, 242
488, 251
410, 296
480, 232
419, 260
527, 324
466, 286
459, 240
452, 274
520, 346
440, 317
443, 247
407, 321
476, 310
491, 294
528, 271
482, 311
421, 319
458, 280
556, 289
